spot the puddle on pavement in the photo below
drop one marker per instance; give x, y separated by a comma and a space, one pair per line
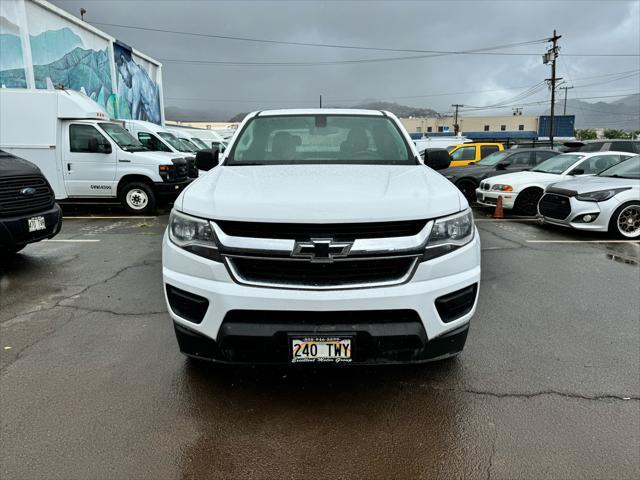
622, 259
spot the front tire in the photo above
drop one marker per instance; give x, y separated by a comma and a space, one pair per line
468, 189
527, 202
138, 198
625, 221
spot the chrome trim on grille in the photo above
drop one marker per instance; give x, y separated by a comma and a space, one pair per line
363, 246
228, 260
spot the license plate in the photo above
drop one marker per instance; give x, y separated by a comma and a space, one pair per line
36, 223
320, 350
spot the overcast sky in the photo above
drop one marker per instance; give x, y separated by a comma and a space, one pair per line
587, 27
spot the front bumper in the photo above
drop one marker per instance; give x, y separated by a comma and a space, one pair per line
489, 198
14, 231
171, 190
424, 339
602, 210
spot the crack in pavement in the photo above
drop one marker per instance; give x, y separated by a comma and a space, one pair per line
529, 395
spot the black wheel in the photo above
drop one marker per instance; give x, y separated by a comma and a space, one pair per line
138, 198
625, 221
527, 202
468, 189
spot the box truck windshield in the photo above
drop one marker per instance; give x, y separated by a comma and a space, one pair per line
174, 141
123, 138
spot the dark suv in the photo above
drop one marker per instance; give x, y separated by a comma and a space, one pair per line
28, 212
468, 177
631, 146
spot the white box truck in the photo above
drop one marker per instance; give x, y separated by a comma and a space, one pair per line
84, 155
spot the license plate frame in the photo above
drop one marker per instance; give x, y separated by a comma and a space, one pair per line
36, 224
321, 343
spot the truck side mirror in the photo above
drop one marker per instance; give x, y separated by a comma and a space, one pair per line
502, 165
437, 158
577, 171
207, 159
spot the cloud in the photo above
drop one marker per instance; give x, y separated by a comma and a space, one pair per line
586, 27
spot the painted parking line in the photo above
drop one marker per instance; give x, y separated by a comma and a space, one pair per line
637, 242
107, 218
73, 240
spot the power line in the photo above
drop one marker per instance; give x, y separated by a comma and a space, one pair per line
479, 51
321, 45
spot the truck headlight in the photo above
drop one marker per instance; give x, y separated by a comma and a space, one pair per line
600, 195
449, 233
502, 188
194, 235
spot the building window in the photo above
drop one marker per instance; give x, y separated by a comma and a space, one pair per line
520, 127
441, 129
429, 129
503, 127
445, 129
418, 129
486, 128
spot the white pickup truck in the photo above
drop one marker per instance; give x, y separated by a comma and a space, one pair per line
84, 155
322, 237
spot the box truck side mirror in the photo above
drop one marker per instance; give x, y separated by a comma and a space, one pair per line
207, 159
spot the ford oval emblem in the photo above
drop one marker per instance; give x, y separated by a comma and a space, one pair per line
28, 191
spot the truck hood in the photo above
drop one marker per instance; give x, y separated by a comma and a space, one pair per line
593, 184
11, 165
321, 194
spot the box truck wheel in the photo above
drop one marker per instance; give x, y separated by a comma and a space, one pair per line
138, 197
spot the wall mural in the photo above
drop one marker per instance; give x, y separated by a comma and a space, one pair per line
65, 53
138, 96
12, 71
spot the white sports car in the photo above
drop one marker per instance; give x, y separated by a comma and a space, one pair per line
608, 202
522, 191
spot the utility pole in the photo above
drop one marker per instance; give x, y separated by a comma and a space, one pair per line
517, 111
456, 127
565, 88
320, 101
550, 57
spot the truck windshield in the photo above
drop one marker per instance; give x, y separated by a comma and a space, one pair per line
175, 142
321, 139
122, 137
198, 143
189, 144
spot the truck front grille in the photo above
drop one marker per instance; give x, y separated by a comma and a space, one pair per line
337, 231
13, 200
555, 206
340, 273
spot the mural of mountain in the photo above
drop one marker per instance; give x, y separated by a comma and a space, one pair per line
80, 68
14, 78
11, 49
51, 45
7, 26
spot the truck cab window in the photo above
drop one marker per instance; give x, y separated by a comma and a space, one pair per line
81, 135
152, 142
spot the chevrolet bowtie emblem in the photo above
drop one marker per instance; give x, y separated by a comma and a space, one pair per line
321, 250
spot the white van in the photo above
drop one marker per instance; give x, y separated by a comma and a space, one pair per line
188, 138
203, 138
157, 138
84, 155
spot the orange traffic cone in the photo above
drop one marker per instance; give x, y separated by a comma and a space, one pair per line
498, 213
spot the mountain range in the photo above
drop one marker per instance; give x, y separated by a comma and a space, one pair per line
621, 114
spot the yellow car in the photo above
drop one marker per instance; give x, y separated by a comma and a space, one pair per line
466, 153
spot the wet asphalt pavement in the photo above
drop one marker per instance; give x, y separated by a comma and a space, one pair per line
92, 385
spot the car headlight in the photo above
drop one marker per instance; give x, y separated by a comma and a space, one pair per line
449, 233
600, 195
194, 235
502, 188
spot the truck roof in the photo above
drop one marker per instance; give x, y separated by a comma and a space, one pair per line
318, 111
65, 104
